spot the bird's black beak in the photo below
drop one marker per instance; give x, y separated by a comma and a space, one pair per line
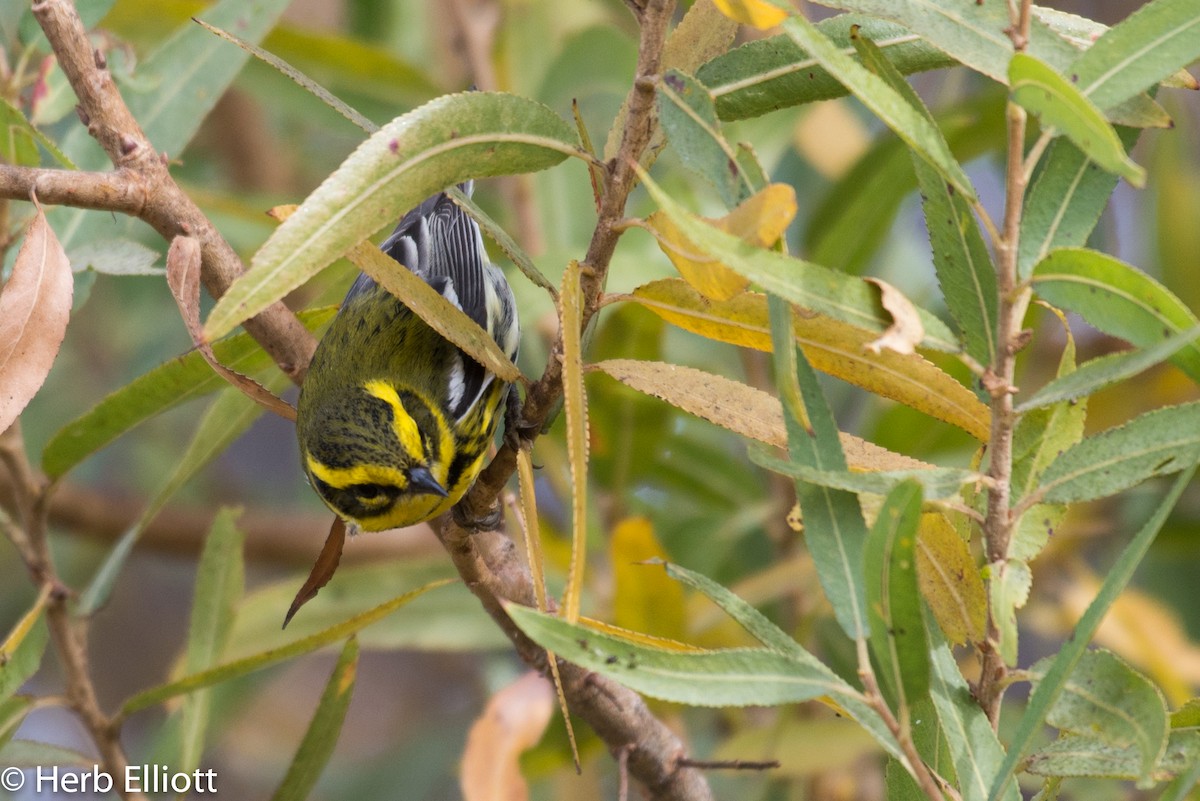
421, 480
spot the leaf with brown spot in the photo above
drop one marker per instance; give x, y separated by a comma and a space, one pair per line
35, 306
183, 277
322, 570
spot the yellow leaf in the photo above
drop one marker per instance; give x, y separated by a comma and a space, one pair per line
758, 13
950, 581
739, 408
759, 220
575, 405
645, 598
831, 346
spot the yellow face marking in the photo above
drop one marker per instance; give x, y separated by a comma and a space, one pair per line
405, 427
342, 477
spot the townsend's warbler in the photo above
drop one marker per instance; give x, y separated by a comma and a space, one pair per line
393, 420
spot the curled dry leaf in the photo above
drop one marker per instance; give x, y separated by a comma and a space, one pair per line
760, 220
183, 277
35, 306
322, 570
906, 330
513, 721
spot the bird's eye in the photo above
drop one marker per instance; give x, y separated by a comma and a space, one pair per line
369, 492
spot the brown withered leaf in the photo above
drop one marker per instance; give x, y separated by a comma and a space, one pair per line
183, 277
35, 306
322, 569
513, 722
906, 330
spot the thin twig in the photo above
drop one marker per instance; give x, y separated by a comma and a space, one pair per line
999, 520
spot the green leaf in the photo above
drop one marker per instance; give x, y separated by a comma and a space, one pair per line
1107, 699
1055, 677
31, 754
775, 638
808, 285
219, 583
1156, 443
115, 257
250, 664
1105, 370
1092, 757
960, 256
446, 621
689, 119
12, 713
773, 73
1117, 299
974, 748
835, 531
897, 113
731, 677
1065, 201
1059, 104
322, 734
898, 639
1147, 47
938, 483
444, 142
22, 658
226, 419
164, 387
1008, 591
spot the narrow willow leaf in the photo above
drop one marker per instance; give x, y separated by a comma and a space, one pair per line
916, 131
575, 404
250, 664
226, 419
164, 387
974, 748
960, 256
13, 711
1118, 299
322, 733
1008, 590
1106, 698
183, 78
938, 483
833, 347
1065, 201
1145, 48
1153, 444
220, 580
898, 639
1059, 104
23, 649
20, 753
303, 81
734, 677
1088, 756
444, 142
834, 529
35, 306
1051, 685
739, 408
689, 119
950, 581
1108, 369
434, 308
773, 73
808, 285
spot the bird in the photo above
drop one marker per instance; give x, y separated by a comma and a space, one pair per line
393, 420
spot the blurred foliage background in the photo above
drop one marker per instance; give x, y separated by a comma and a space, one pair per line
664, 483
